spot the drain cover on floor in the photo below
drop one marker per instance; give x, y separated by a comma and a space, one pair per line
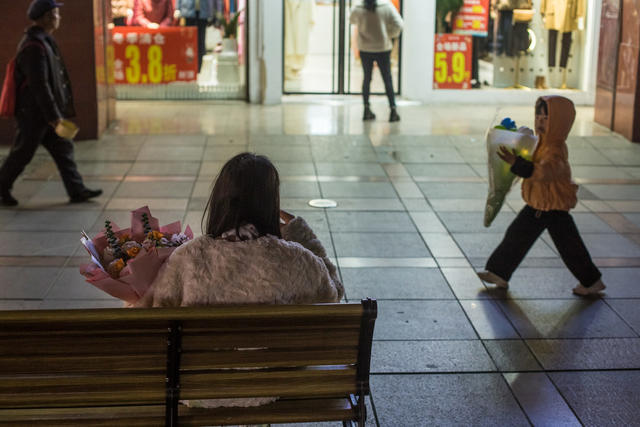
323, 203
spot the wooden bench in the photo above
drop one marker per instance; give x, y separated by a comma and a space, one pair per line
130, 367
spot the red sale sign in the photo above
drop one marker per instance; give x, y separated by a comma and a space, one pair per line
452, 62
154, 56
473, 18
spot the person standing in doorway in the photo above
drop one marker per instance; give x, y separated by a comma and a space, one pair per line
378, 23
197, 13
43, 100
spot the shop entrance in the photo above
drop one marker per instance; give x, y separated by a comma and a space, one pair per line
321, 52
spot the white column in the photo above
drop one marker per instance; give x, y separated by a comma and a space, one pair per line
417, 49
265, 51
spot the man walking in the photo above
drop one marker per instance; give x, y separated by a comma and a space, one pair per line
43, 100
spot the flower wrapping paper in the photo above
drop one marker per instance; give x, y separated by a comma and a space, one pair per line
139, 273
501, 179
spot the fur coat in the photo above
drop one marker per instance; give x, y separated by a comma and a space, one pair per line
376, 30
550, 187
266, 270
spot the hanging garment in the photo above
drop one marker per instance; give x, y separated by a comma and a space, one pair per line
566, 47
562, 15
513, 4
298, 23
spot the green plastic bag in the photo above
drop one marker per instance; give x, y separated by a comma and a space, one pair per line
500, 177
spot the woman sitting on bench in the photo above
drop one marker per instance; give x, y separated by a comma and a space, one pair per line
251, 252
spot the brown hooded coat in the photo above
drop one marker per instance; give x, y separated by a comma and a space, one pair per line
550, 187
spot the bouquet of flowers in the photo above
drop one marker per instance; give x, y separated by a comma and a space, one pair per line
124, 262
501, 179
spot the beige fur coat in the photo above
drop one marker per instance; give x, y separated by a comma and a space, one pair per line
266, 270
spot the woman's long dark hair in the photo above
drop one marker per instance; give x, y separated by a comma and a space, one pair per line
247, 191
370, 5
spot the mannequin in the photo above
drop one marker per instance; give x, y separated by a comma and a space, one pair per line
561, 16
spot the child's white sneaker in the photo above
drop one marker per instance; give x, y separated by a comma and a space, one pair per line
490, 277
591, 290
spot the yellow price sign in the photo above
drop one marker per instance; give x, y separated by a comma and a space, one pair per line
452, 61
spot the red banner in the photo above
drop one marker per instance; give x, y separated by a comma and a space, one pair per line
154, 56
452, 62
473, 18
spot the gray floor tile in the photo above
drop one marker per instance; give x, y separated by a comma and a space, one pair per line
57, 220
350, 169
343, 154
428, 154
368, 204
19, 304
430, 356
628, 310
395, 283
601, 398
370, 221
452, 170
565, 319
71, 285
165, 168
454, 190
308, 190
421, 320
419, 400
290, 153
610, 246
379, 245
472, 222
317, 219
465, 283
288, 169
511, 355
621, 282
540, 400
614, 192
26, 282
587, 354
158, 152
157, 188
52, 304
488, 319
32, 243
357, 190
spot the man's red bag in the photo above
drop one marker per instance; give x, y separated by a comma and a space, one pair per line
8, 97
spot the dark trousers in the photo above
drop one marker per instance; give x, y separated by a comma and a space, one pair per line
202, 33
505, 32
383, 59
120, 22
564, 50
31, 133
525, 230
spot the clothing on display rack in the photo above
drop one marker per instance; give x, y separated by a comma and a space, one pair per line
564, 52
298, 23
562, 15
198, 13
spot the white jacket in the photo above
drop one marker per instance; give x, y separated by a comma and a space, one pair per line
376, 30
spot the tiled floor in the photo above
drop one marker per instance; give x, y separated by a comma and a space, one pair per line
407, 231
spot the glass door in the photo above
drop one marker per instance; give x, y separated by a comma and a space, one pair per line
321, 53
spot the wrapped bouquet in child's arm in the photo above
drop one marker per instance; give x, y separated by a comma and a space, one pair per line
509, 150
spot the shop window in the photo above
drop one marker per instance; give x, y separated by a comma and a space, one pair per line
178, 49
511, 44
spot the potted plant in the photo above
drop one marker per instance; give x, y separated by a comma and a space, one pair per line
228, 59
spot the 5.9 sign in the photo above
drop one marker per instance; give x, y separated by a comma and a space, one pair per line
452, 62
154, 56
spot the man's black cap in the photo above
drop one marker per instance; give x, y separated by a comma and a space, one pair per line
40, 7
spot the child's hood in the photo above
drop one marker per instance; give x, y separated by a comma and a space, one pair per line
562, 113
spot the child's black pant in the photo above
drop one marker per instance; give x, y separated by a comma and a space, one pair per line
525, 230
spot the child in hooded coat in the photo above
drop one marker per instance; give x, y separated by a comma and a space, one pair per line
550, 193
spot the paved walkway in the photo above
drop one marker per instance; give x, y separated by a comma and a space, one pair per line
407, 231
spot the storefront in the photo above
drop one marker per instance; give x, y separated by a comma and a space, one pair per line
178, 49
483, 51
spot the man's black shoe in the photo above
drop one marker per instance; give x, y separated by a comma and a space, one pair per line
85, 195
6, 199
